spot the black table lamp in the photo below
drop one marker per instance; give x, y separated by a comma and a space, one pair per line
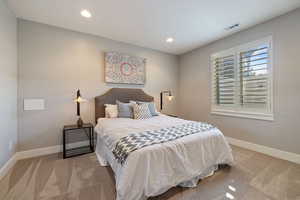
170, 97
79, 100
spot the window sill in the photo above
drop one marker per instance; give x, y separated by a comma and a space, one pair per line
249, 115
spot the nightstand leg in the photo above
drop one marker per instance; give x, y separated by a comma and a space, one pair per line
91, 147
93, 139
64, 144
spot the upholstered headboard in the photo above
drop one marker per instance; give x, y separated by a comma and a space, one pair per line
121, 94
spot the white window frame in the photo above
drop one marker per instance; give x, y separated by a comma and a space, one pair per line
238, 111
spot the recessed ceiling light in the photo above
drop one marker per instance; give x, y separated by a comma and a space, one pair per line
170, 40
86, 14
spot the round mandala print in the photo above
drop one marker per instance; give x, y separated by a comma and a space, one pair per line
126, 69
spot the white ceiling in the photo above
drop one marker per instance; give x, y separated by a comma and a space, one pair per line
147, 23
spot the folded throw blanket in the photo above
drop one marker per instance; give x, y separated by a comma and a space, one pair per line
135, 141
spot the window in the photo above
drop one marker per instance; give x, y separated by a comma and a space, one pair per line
242, 81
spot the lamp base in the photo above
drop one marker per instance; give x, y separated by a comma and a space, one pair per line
79, 122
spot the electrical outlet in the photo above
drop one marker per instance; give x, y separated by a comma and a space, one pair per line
11, 145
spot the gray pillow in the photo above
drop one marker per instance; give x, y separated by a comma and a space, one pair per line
151, 106
125, 110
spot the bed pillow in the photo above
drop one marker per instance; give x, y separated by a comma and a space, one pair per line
141, 111
111, 111
151, 106
125, 110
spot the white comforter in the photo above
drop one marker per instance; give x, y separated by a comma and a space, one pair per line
153, 170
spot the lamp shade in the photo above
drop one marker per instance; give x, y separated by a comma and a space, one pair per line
170, 97
78, 98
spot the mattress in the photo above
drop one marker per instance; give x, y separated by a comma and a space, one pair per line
152, 170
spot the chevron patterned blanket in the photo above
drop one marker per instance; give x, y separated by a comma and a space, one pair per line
136, 141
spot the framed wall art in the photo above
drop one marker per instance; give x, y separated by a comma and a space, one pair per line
124, 69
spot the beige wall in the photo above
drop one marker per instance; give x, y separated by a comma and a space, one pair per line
8, 83
282, 133
54, 62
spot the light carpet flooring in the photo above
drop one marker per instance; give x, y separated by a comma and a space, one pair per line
254, 177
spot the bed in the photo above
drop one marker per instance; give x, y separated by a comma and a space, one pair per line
154, 169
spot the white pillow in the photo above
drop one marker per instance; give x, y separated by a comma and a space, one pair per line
111, 111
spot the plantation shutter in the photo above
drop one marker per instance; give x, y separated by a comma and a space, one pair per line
254, 77
242, 81
224, 80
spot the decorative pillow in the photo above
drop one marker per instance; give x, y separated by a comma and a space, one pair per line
111, 111
141, 111
125, 110
151, 106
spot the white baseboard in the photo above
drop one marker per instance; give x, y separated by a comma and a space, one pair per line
284, 155
35, 153
48, 150
38, 152
8, 165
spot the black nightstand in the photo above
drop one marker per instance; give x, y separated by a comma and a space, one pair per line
76, 136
